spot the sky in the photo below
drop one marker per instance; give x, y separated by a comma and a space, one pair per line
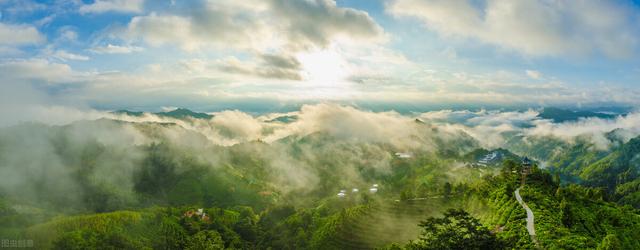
264, 55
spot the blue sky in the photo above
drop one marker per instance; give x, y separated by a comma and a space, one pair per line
268, 54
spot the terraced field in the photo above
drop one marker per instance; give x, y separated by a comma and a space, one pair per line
387, 222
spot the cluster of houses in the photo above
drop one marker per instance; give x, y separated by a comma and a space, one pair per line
198, 213
490, 158
343, 192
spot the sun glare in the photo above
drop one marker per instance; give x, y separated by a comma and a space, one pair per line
323, 67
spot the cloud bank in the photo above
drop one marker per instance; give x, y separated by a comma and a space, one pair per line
560, 28
294, 149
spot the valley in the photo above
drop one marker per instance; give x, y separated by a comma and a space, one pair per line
130, 183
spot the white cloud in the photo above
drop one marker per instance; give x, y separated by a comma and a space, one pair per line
266, 66
35, 70
273, 31
258, 25
158, 30
319, 22
101, 6
64, 56
67, 34
21, 6
532, 27
9, 51
534, 74
489, 127
485, 126
115, 49
595, 128
17, 35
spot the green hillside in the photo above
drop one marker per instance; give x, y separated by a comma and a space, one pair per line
96, 184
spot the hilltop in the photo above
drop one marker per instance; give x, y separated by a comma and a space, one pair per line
563, 115
179, 113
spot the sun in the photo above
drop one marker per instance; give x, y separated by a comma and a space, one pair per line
323, 67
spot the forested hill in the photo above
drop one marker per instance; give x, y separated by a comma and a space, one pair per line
566, 217
616, 169
179, 113
563, 115
137, 185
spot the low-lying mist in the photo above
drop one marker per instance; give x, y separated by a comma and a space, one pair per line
115, 161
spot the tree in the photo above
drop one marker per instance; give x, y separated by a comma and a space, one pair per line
456, 230
173, 236
157, 174
90, 239
508, 166
447, 189
205, 240
610, 242
76, 240
565, 213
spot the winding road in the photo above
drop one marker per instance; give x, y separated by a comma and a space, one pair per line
530, 219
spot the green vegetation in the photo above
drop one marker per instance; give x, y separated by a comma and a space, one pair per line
614, 170
89, 185
457, 229
567, 217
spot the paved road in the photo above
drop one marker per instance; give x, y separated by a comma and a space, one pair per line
530, 219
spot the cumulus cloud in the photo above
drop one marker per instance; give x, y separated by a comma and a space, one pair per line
337, 121
595, 129
36, 70
236, 124
488, 127
115, 49
482, 117
349, 122
261, 25
493, 128
158, 30
316, 23
19, 34
268, 66
275, 32
532, 27
101, 6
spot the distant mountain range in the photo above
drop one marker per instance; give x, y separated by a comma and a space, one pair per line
285, 119
563, 115
179, 113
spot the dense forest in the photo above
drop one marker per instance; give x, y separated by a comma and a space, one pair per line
113, 184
